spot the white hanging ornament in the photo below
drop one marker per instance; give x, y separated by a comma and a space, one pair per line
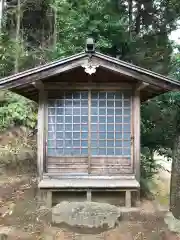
89, 68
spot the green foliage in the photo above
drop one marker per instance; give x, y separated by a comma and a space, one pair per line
16, 110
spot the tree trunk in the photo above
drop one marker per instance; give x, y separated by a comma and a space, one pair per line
130, 16
175, 181
1, 14
17, 39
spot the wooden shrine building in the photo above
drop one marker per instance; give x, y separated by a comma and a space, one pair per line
89, 120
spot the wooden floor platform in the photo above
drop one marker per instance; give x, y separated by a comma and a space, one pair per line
89, 183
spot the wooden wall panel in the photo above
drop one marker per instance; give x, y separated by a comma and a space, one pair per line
98, 166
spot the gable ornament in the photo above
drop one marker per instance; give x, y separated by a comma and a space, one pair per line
90, 68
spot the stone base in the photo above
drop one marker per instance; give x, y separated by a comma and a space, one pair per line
172, 222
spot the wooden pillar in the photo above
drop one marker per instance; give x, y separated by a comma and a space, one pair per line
136, 133
41, 133
89, 195
49, 199
128, 199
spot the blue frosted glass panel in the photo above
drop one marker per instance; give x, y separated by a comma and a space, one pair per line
51, 127
51, 152
102, 111
127, 151
94, 103
110, 151
118, 104
102, 143
102, 119
51, 136
94, 151
110, 127
118, 135
118, 119
76, 151
59, 151
60, 111
94, 127
68, 143
76, 143
118, 111
51, 143
51, 119
84, 151
76, 135
84, 135
110, 111
68, 151
59, 135
59, 119
102, 127
68, 119
102, 103
94, 144
59, 143
94, 111
110, 104
110, 119
84, 127
127, 143
84, 103
76, 103
59, 127
76, 119
51, 111
110, 143
76, 111
127, 127
68, 127
110, 123
94, 119
118, 151
127, 136
84, 119
118, 143
110, 135
76, 127
118, 128
68, 103
84, 143
102, 135
68, 135
102, 151
84, 111
94, 135
127, 103
111, 95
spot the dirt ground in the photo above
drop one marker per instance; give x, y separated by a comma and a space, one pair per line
23, 216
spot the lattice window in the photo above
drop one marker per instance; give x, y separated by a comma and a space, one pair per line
109, 132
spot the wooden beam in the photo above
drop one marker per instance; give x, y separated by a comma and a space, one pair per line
142, 86
38, 84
